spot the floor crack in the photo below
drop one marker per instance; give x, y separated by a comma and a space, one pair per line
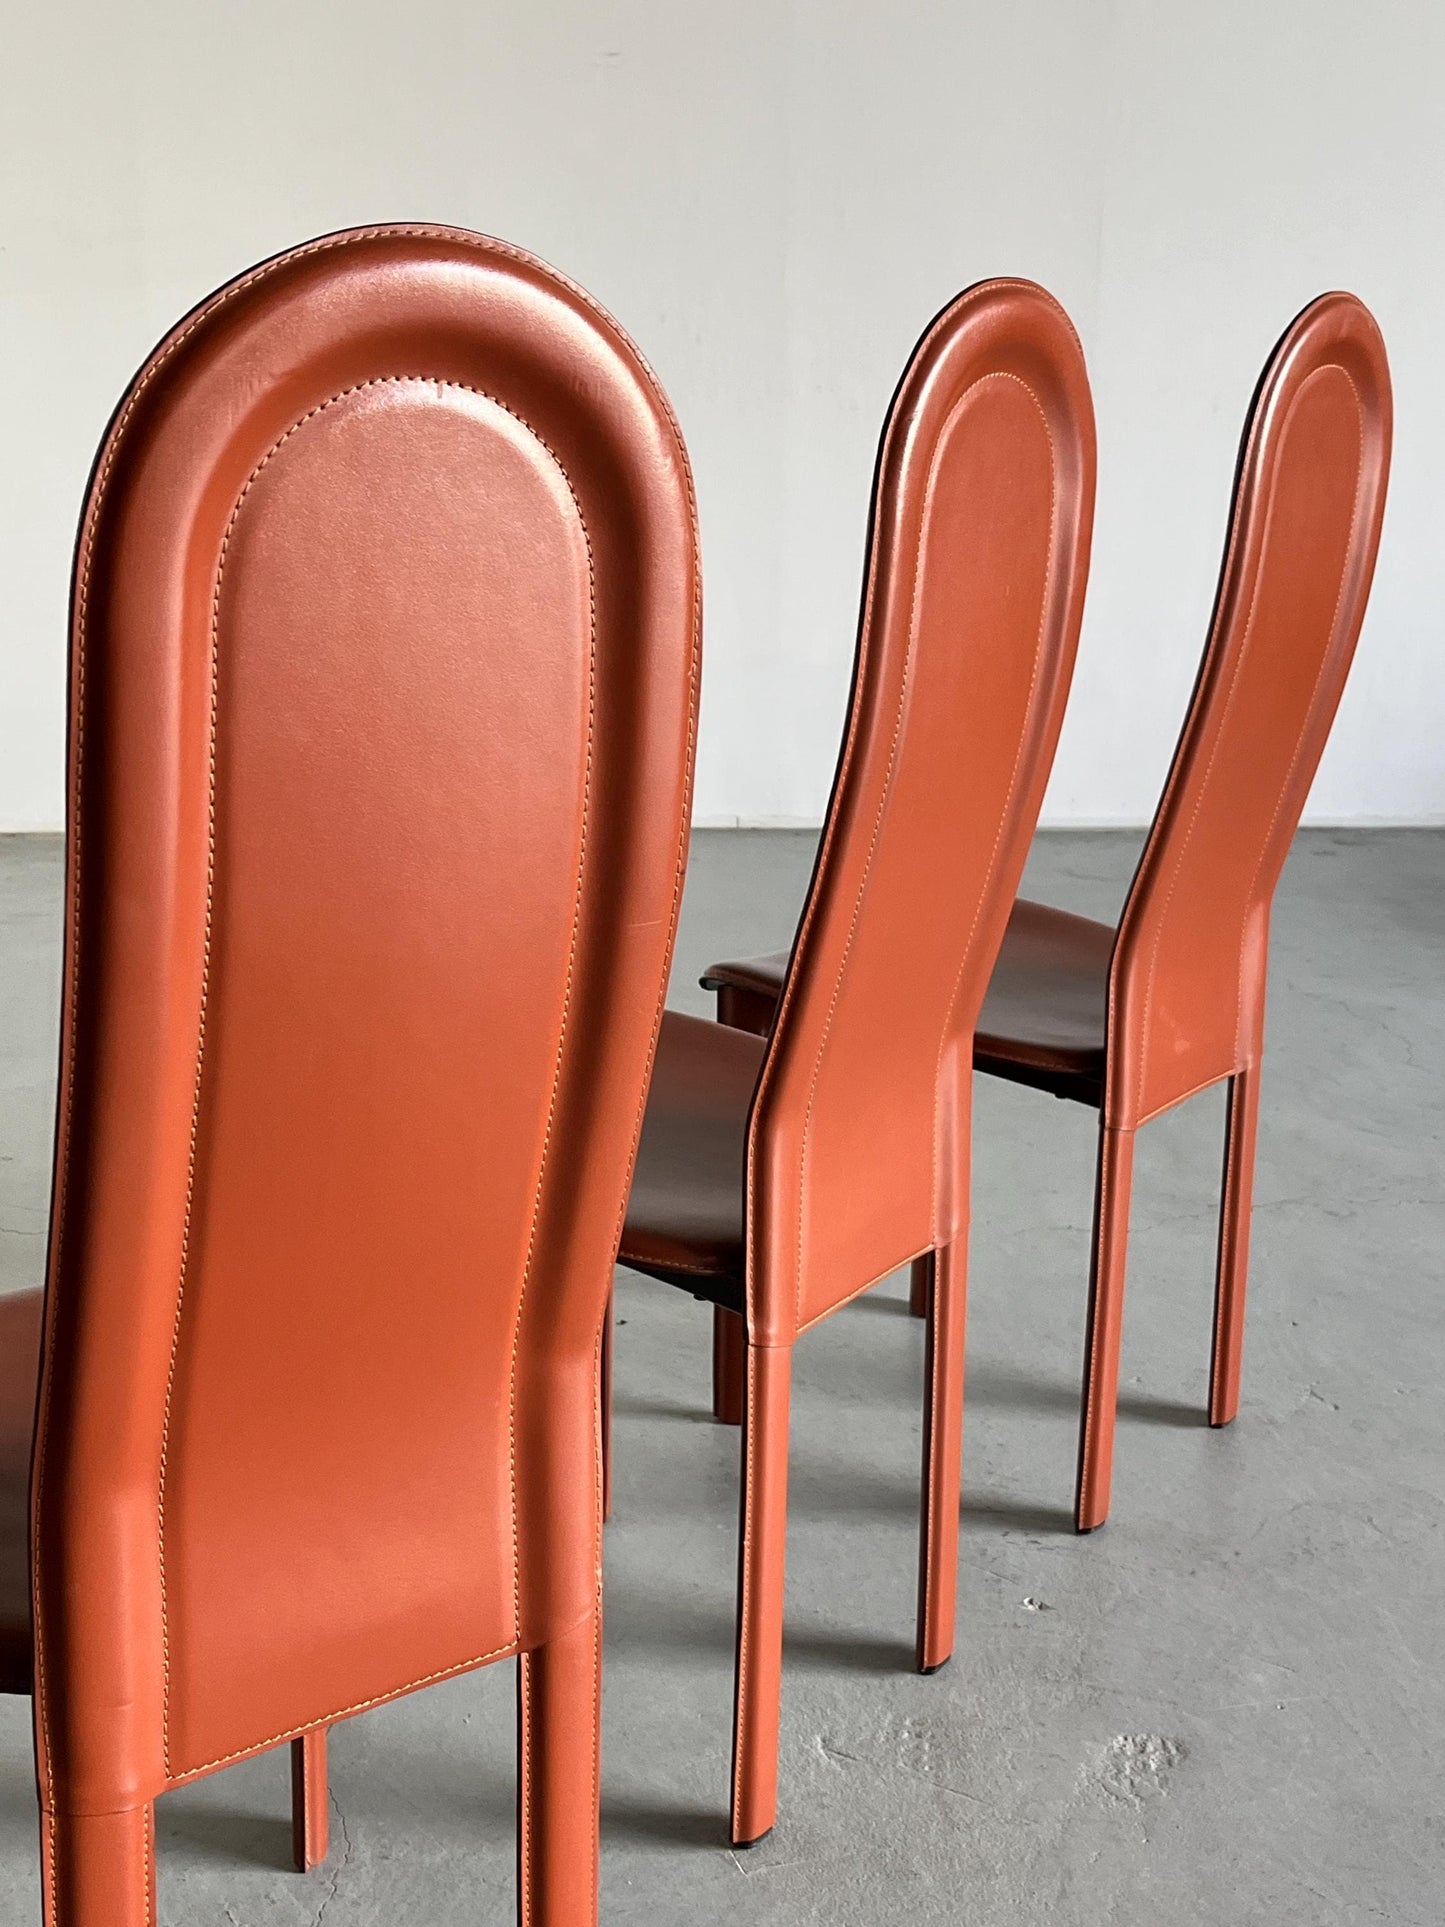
339, 1866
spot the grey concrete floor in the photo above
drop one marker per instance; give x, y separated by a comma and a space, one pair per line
1226, 1708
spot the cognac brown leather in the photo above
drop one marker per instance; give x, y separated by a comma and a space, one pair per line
1136, 1020
384, 665
855, 1153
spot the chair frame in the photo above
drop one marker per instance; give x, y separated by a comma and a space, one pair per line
1022, 327
462, 315
1335, 338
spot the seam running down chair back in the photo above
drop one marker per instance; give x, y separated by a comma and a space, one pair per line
973, 592
1187, 980
384, 666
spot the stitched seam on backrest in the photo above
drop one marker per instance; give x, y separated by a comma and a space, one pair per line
1176, 776
1310, 707
1184, 841
1008, 799
192, 1155
883, 801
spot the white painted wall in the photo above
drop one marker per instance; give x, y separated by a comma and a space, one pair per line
774, 196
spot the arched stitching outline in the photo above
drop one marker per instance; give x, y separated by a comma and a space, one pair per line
1314, 692
845, 760
1004, 814
930, 1496
355, 388
885, 796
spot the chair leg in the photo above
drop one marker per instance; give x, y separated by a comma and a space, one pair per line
1233, 1271
98, 1869
942, 1456
761, 1555
920, 1283
1106, 1312
729, 1365
605, 1396
310, 1800
558, 1710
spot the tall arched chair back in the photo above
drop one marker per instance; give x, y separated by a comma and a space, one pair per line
384, 664
974, 587
1187, 982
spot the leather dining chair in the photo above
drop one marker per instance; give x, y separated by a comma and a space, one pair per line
780, 1180
384, 663
1132, 1020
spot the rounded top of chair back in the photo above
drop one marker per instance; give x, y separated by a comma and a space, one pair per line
384, 671
977, 558
1188, 976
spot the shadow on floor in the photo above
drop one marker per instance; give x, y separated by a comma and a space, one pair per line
665, 1826
1006, 1387
845, 1653
214, 1832
1009, 1515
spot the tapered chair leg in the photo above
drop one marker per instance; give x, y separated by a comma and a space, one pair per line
1106, 1313
942, 1456
1233, 1271
761, 1557
310, 1800
98, 1869
604, 1393
558, 1703
729, 1365
920, 1283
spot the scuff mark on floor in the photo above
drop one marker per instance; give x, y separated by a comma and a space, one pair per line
1133, 1768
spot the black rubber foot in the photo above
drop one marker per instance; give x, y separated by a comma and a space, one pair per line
742, 1846
929, 1671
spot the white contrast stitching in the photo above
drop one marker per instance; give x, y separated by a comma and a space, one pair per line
378, 381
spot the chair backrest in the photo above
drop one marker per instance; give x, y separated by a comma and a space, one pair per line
973, 592
384, 666
1187, 983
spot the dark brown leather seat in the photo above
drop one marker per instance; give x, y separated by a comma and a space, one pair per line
20, 1313
685, 1211
1044, 1018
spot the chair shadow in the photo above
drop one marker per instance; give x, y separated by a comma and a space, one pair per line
823, 1652
223, 1834
1163, 1411
656, 1626
1003, 1385
1038, 1520
630, 1819
625, 1406
708, 1629
878, 1301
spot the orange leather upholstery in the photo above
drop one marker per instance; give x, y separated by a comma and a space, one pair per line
856, 1151
1136, 1020
384, 666
1045, 1014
